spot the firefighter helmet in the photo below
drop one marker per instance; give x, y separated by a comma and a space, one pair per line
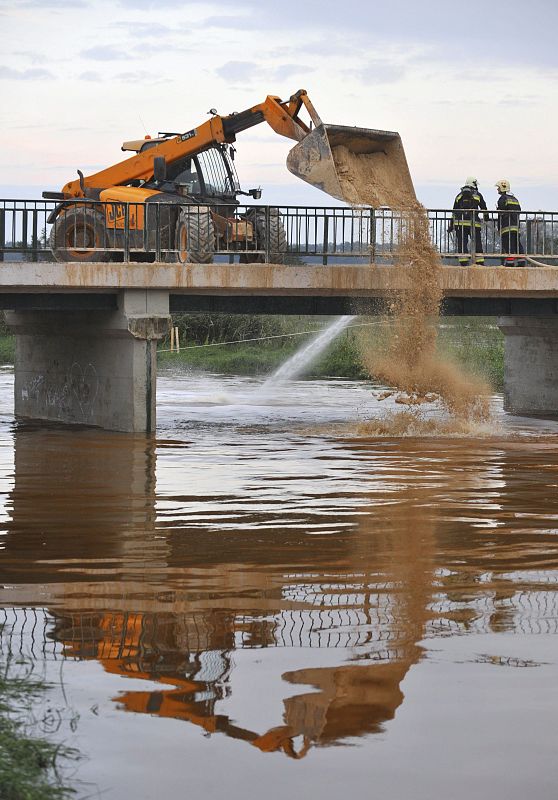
503, 185
470, 181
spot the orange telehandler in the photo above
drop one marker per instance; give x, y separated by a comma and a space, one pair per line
177, 196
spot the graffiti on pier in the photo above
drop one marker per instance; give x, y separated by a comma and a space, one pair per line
75, 392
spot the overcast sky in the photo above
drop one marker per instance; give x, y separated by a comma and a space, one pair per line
471, 86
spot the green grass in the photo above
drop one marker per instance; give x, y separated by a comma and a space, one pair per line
7, 349
477, 344
28, 763
231, 359
261, 358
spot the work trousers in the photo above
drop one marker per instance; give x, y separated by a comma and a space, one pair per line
510, 242
463, 233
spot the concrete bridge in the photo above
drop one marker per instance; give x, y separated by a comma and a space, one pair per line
87, 333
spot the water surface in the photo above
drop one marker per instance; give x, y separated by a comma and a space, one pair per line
259, 601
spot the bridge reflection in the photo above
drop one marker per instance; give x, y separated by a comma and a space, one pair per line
150, 594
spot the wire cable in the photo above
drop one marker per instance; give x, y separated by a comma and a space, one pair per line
265, 338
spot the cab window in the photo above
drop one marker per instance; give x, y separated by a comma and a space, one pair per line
216, 177
185, 173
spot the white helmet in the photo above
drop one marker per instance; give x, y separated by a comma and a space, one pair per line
470, 181
502, 185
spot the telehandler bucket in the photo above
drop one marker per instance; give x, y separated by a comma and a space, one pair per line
358, 165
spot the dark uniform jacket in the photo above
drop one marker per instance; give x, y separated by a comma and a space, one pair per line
509, 208
467, 202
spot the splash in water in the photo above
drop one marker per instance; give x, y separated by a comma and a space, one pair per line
297, 363
411, 362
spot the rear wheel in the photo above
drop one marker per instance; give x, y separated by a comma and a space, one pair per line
194, 239
270, 234
79, 234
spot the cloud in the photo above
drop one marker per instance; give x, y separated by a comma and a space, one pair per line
284, 71
238, 71
434, 26
247, 71
71, 4
132, 76
144, 30
35, 58
34, 74
238, 22
328, 45
139, 76
145, 48
105, 52
515, 101
375, 72
90, 76
153, 4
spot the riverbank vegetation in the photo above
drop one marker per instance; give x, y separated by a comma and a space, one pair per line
253, 345
256, 345
29, 762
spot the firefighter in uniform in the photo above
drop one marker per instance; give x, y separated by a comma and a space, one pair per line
465, 218
508, 225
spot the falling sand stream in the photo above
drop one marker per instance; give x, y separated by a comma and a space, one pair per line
407, 358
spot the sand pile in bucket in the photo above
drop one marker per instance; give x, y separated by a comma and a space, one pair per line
376, 176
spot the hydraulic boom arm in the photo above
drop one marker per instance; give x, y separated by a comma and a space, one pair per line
283, 117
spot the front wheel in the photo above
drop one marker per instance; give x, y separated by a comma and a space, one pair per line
194, 239
79, 234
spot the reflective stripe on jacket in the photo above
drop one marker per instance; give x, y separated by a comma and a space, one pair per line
466, 206
509, 208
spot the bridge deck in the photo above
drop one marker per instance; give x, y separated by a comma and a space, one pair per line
308, 280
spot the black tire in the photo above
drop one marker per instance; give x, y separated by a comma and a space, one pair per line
79, 227
269, 229
194, 238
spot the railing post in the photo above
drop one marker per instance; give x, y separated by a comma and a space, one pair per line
372, 242
2, 232
24, 228
232, 231
473, 237
158, 231
325, 245
145, 217
126, 232
267, 235
34, 236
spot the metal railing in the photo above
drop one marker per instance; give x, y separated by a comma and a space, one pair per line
376, 630
52, 635
177, 232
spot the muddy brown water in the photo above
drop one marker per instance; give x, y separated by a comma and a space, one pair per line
259, 601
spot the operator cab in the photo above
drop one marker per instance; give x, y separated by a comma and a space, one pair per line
207, 176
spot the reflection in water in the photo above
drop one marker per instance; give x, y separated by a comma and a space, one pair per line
332, 562
363, 594
78, 499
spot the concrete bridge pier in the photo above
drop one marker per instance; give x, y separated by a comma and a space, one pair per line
530, 364
91, 367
